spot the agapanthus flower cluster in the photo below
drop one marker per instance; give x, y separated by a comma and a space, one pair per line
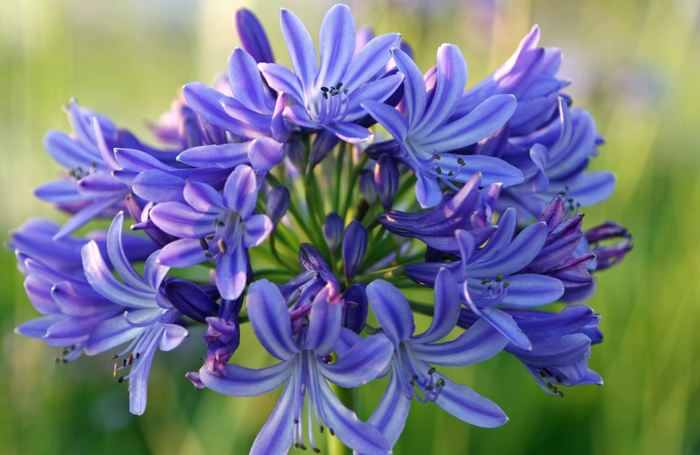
318, 198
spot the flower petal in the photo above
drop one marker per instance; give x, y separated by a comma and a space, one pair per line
232, 272
468, 406
324, 326
336, 45
392, 411
283, 80
414, 87
245, 80
276, 436
391, 119
362, 363
300, 48
370, 60
270, 319
245, 382
392, 310
257, 229
447, 306
182, 220
241, 191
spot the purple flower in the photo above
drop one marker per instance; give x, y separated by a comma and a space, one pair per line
329, 97
147, 318
305, 369
469, 209
412, 371
215, 227
427, 135
253, 36
493, 275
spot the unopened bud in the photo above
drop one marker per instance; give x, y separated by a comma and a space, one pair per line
386, 178
277, 203
333, 230
367, 186
354, 248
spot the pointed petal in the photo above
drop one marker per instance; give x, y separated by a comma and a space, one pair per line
529, 290
468, 406
245, 382
202, 197
391, 119
447, 306
113, 332
350, 132
283, 80
352, 432
414, 87
451, 80
300, 48
270, 319
378, 90
182, 220
483, 121
224, 156
362, 363
245, 80
232, 272
392, 411
428, 191
182, 253
370, 60
392, 310
504, 323
521, 251
257, 229
241, 191
480, 342
173, 336
86, 214
275, 438
336, 45
324, 325
265, 153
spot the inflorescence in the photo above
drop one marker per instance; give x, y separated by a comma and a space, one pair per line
284, 185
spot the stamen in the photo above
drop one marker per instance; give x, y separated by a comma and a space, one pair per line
203, 243
222, 246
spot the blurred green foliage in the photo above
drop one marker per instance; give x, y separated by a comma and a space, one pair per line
634, 64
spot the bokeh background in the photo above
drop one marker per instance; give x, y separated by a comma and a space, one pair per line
634, 64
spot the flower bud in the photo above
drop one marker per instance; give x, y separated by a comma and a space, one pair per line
354, 248
367, 186
252, 36
333, 230
355, 307
294, 150
277, 203
323, 144
386, 178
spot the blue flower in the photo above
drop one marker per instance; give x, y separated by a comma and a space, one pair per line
412, 371
215, 227
427, 136
330, 96
305, 369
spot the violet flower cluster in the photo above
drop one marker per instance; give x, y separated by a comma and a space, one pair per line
311, 202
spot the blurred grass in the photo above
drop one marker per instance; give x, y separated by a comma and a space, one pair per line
634, 64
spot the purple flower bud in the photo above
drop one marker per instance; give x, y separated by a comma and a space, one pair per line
354, 248
277, 203
253, 36
294, 150
386, 178
323, 144
355, 307
190, 136
189, 299
607, 256
367, 186
333, 230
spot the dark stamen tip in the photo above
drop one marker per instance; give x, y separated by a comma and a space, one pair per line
460, 161
432, 370
203, 243
120, 380
115, 356
330, 430
316, 449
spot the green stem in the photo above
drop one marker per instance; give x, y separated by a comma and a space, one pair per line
338, 175
335, 447
351, 184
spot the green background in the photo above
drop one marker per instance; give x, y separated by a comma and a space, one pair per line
634, 64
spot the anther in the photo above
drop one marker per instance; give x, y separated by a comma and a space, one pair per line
131, 358
440, 382
340, 84
115, 356
436, 156
450, 173
542, 373
555, 390
210, 236
429, 388
320, 428
116, 369
460, 161
138, 354
558, 379
302, 446
486, 281
415, 377
296, 421
120, 380
124, 363
316, 449
439, 171
506, 284
549, 385
203, 243
561, 394
547, 371
324, 89
222, 246
330, 430
499, 278
432, 370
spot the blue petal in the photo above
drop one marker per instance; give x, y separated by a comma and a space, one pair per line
529, 290
201, 197
493, 170
117, 256
245, 80
257, 229
300, 48
61, 190
480, 342
370, 60
158, 186
352, 432
350, 132
259, 122
138, 382
483, 121
66, 151
378, 90
283, 80
428, 191
392, 310
224, 156
390, 415
521, 251
270, 319
241, 191
181, 220
113, 332
276, 436
414, 87
232, 272
265, 153
182, 253
245, 382
447, 306
336, 45
451, 80
362, 363
324, 326
205, 101
253, 36
86, 214
468, 406
504, 323
389, 118
173, 336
